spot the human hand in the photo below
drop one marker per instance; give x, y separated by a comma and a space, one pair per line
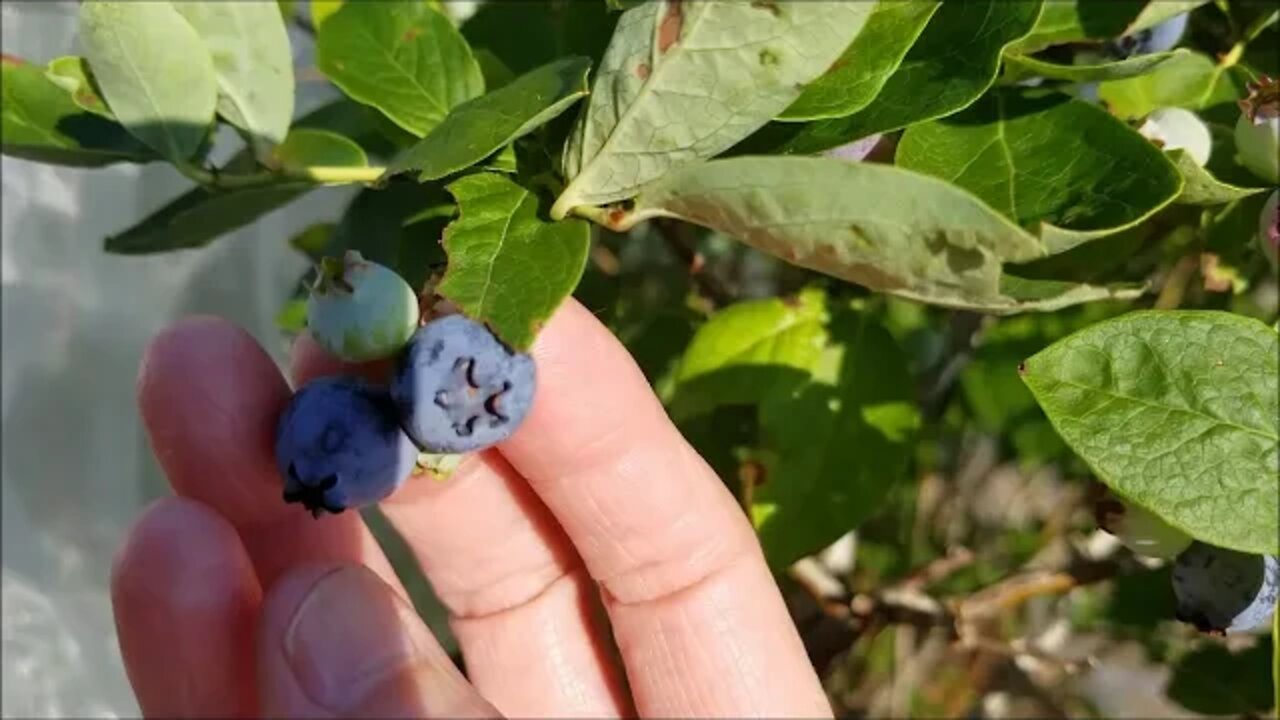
229, 602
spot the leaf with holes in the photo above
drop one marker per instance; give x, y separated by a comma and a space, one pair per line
509, 267
477, 128
403, 58
1178, 412
253, 62
950, 65
39, 121
1041, 159
882, 227
154, 71
683, 81
857, 76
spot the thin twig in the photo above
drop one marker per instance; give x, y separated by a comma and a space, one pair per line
677, 238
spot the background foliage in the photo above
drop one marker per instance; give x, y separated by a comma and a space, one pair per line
906, 272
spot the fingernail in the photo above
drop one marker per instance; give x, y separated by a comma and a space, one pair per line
349, 636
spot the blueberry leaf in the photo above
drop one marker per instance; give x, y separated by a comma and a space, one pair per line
1191, 80
41, 122
882, 227
154, 71
951, 64
403, 58
1066, 21
1039, 157
1178, 412
1019, 66
253, 63
508, 266
856, 77
316, 147
72, 73
683, 81
747, 350
835, 445
479, 127
549, 30
1200, 187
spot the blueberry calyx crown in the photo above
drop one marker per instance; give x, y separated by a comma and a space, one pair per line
312, 497
466, 400
1263, 102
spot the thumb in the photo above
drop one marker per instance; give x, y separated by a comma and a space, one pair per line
336, 641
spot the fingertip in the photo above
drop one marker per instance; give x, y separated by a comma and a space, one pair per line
185, 598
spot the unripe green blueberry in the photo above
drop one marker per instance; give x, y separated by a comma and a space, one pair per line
1269, 229
360, 310
1178, 129
1258, 130
1139, 529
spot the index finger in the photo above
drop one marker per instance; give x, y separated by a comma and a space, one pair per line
698, 618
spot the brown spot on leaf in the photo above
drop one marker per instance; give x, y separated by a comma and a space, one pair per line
671, 25
768, 57
615, 217
642, 71
1022, 368
84, 97
413, 33
11, 60
770, 6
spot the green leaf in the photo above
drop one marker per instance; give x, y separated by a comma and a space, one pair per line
684, 81
154, 71
322, 10
1066, 21
1178, 412
835, 446
1023, 66
199, 217
1062, 168
403, 58
856, 78
1216, 681
477, 128
40, 122
1157, 11
746, 351
508, 267
253, 63
71, 73
952, 63
1191, 80
306, 147
549, 30
1200, 187
882, 227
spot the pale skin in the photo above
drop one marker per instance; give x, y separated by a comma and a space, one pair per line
231, 603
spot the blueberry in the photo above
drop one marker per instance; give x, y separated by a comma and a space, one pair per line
1258, 130
360, 310
1157, 38
1175, 128
339, 445
1139, 529
458, 388
1224, 591
1269, 229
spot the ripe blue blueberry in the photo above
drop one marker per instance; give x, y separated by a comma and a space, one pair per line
1139, 529
1258, 130
360, 310
459, 388
339, 445
1224, 591
1157, 38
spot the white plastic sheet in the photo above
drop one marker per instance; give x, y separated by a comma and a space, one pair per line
76, 467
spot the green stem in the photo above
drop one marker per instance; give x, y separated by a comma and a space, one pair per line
1233, 55
1259, 25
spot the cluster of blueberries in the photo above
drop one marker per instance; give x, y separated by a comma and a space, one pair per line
1218, 591
344, 442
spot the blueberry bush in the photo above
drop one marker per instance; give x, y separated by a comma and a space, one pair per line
972, 303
